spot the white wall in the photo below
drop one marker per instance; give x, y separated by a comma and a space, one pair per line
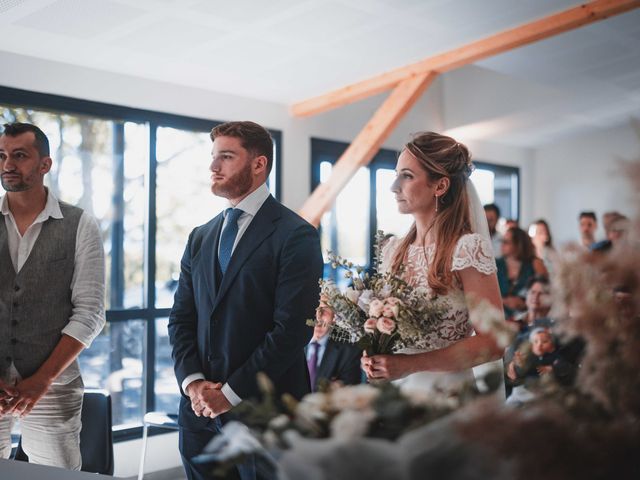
583, 173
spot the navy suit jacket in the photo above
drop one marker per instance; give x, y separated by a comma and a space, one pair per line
340, 362
252, 319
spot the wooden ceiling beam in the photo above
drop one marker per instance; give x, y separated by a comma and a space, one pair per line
507, 40
366, 144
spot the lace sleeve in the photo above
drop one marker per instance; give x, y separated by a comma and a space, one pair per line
473, 250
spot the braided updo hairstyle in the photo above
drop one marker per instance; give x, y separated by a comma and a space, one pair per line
441, 156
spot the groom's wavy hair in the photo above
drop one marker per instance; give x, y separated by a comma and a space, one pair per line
253, 137
441, 156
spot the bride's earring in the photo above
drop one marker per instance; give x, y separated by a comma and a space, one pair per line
436, 203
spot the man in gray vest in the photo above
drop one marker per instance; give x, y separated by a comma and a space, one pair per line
51, 303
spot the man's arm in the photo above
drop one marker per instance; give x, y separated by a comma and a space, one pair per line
87, 284
32, 389
183, 326
296, 297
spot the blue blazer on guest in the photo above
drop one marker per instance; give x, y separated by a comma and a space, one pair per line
253, 318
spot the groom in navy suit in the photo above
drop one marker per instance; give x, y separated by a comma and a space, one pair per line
248, 283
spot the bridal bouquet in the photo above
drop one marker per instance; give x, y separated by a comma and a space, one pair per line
379, 312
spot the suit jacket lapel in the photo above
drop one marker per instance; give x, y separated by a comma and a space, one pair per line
328, 361
259, 229
209, 251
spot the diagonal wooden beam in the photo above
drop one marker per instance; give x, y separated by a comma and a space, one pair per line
366, 144
509, 39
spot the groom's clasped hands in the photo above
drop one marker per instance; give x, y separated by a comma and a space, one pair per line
207, 399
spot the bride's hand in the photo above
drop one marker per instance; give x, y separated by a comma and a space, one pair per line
385, 367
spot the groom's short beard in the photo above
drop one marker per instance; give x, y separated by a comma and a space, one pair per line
237, 185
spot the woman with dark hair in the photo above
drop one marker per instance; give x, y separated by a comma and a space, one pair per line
448, 253
516, 267
541, 237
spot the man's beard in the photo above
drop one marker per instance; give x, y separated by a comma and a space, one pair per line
236, 186
14, 187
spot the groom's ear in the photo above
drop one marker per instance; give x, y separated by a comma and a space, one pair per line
260, 164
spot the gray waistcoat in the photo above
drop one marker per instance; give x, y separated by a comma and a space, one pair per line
35, 304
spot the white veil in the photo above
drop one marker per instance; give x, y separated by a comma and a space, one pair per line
479, 225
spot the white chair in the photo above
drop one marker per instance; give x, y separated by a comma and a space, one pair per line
168, 421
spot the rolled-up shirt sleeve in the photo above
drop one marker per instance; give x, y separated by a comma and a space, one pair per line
88, 284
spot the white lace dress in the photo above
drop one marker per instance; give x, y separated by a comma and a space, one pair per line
471, 251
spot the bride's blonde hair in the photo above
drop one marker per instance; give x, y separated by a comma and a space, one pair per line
441, 156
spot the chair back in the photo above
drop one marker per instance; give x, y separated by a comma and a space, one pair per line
96, 439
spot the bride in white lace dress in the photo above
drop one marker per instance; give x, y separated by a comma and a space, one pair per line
441, 253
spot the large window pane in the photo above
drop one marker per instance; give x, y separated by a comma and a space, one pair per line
352, 219
327, 227
498, 184
114, 362
184, 201
134, 200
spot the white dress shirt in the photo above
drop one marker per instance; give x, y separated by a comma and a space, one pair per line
250, 206
87, 284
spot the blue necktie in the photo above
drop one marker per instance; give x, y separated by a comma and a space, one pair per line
228, 237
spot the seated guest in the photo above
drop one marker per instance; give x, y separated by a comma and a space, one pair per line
516, 267
616, 227
538, 304
329, 360
541, 239
526, 367
543, 354
588, 224
492, 212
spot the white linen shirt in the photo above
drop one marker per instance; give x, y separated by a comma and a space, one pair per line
87, 283
249, 206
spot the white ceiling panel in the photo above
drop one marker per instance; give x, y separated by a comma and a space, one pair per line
287, 50
81, 19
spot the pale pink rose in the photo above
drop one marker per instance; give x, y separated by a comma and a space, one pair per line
386, 325
370, 325
375, 308
391, 307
